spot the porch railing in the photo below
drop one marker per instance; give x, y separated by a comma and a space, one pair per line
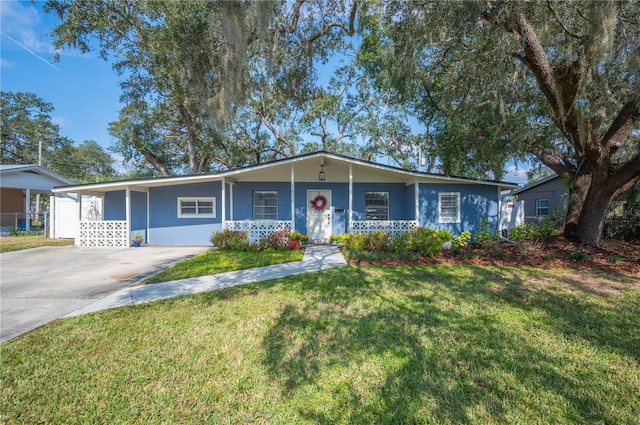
393, 227
109, 233
257, 230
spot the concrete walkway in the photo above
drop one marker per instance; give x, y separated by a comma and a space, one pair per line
316, 257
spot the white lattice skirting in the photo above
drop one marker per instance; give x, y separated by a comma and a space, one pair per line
393, 227
104, 233
257, 230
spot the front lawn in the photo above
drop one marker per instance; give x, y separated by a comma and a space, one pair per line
16, 243
412, 344
220, 261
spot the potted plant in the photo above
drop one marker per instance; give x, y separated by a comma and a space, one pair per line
137, 239
297, 239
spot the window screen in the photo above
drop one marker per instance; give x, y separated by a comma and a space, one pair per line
542, 207
376, 205
449, 207
265, 205
196, 207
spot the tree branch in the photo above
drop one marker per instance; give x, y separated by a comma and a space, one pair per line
559, 22
621, 127
560, 167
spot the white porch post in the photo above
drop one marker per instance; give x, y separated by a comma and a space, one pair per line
27, 210
127, 202
79, 228
293, 199
417, 203
231, 217
148, 216
499, 212
52, 215
350, 223
224, 202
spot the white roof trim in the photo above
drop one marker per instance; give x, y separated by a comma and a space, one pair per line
10, 168
535, 183
162, 181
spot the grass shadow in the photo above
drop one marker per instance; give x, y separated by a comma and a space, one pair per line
439, 343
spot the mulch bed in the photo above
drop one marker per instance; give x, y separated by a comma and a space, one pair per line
611, 256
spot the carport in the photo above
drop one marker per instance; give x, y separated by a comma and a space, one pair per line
18, 183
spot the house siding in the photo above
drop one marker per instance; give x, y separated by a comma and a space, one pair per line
165, 228
115, 209
397, 199
13, 201
476, 202
556, 191
243, 199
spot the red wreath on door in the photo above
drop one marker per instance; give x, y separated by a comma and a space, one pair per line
319, 202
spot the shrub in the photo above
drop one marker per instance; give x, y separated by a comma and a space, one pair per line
523, 232
462, 240
621, 229
427, 242
340, 239
578, 256
375, 256
355, 242
529, 231
530, 247
15, 231
295, 235
484, 236
280, 240
550, 226
377, 241
231, 239
499, 255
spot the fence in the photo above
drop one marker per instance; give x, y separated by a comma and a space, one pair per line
22, 222
393, 227
622, 221
109, 233
257, 230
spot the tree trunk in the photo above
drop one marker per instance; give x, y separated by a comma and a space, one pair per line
578, 190
591, 221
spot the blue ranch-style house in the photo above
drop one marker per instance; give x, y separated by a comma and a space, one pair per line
318, 194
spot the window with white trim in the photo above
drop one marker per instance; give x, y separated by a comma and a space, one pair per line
542, 207
193, 207
449, 207
376, 205
265, 205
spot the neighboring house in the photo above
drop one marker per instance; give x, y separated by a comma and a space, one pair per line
18, 185
542, 198
318, 194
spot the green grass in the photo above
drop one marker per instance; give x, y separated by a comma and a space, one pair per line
17, 243
220, 261
416, 344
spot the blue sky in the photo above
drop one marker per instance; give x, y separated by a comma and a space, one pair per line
82, 88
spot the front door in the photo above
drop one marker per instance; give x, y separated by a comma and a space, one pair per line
319, 215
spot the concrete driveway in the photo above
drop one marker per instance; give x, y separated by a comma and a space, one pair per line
42, 284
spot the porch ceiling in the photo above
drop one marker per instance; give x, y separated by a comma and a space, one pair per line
308, 169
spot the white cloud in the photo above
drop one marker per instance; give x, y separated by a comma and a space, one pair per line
23, 23
516, 174
6, 64
62, 122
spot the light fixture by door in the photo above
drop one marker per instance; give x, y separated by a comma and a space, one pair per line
322, 177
